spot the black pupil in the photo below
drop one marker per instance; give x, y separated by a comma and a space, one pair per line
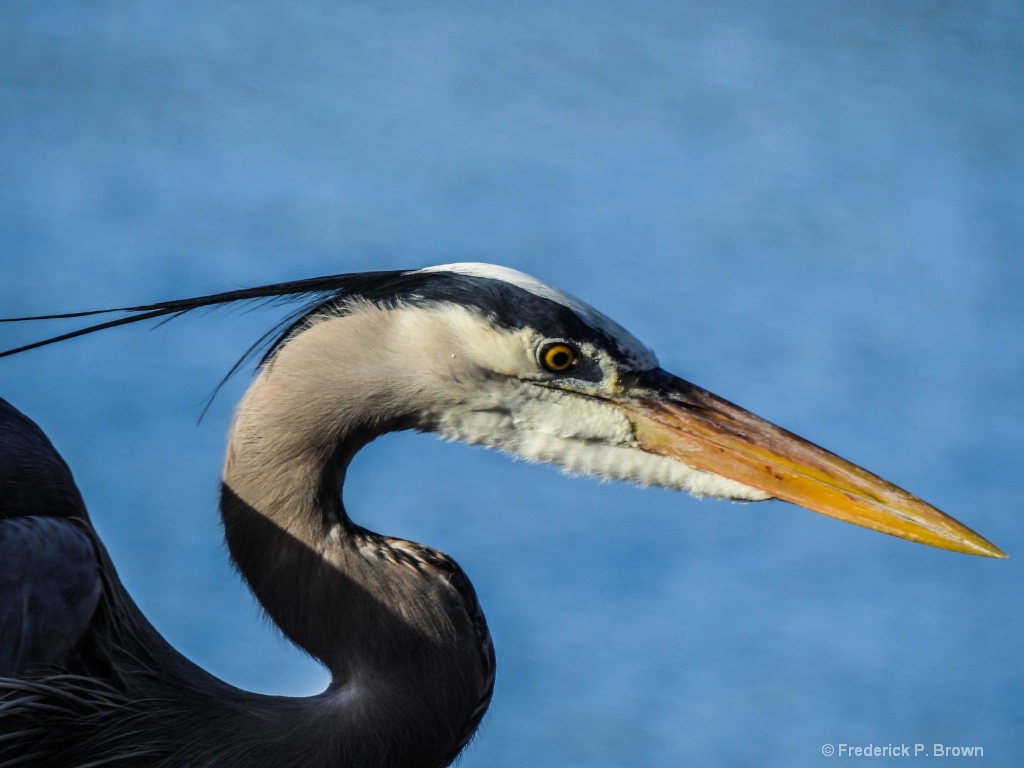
560, 359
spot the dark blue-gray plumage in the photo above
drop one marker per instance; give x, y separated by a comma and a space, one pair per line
49, 581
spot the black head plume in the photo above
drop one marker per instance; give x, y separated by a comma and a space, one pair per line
313, 292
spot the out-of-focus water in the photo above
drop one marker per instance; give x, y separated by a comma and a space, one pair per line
814, 209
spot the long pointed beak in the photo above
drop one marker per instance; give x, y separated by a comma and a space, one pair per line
674, 418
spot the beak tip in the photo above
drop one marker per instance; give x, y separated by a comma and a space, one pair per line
971, 544
994, 552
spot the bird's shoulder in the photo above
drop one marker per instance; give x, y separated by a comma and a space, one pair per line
50, 586
49, 569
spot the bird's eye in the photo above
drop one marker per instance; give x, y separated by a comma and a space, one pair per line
559, 357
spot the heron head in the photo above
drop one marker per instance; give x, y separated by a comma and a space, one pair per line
489, 356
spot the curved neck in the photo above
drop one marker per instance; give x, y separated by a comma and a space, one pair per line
397, 624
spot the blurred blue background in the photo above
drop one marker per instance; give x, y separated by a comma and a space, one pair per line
811, 208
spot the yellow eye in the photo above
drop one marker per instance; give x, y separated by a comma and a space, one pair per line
559, 357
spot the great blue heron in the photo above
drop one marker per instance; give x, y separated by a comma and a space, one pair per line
476, 353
